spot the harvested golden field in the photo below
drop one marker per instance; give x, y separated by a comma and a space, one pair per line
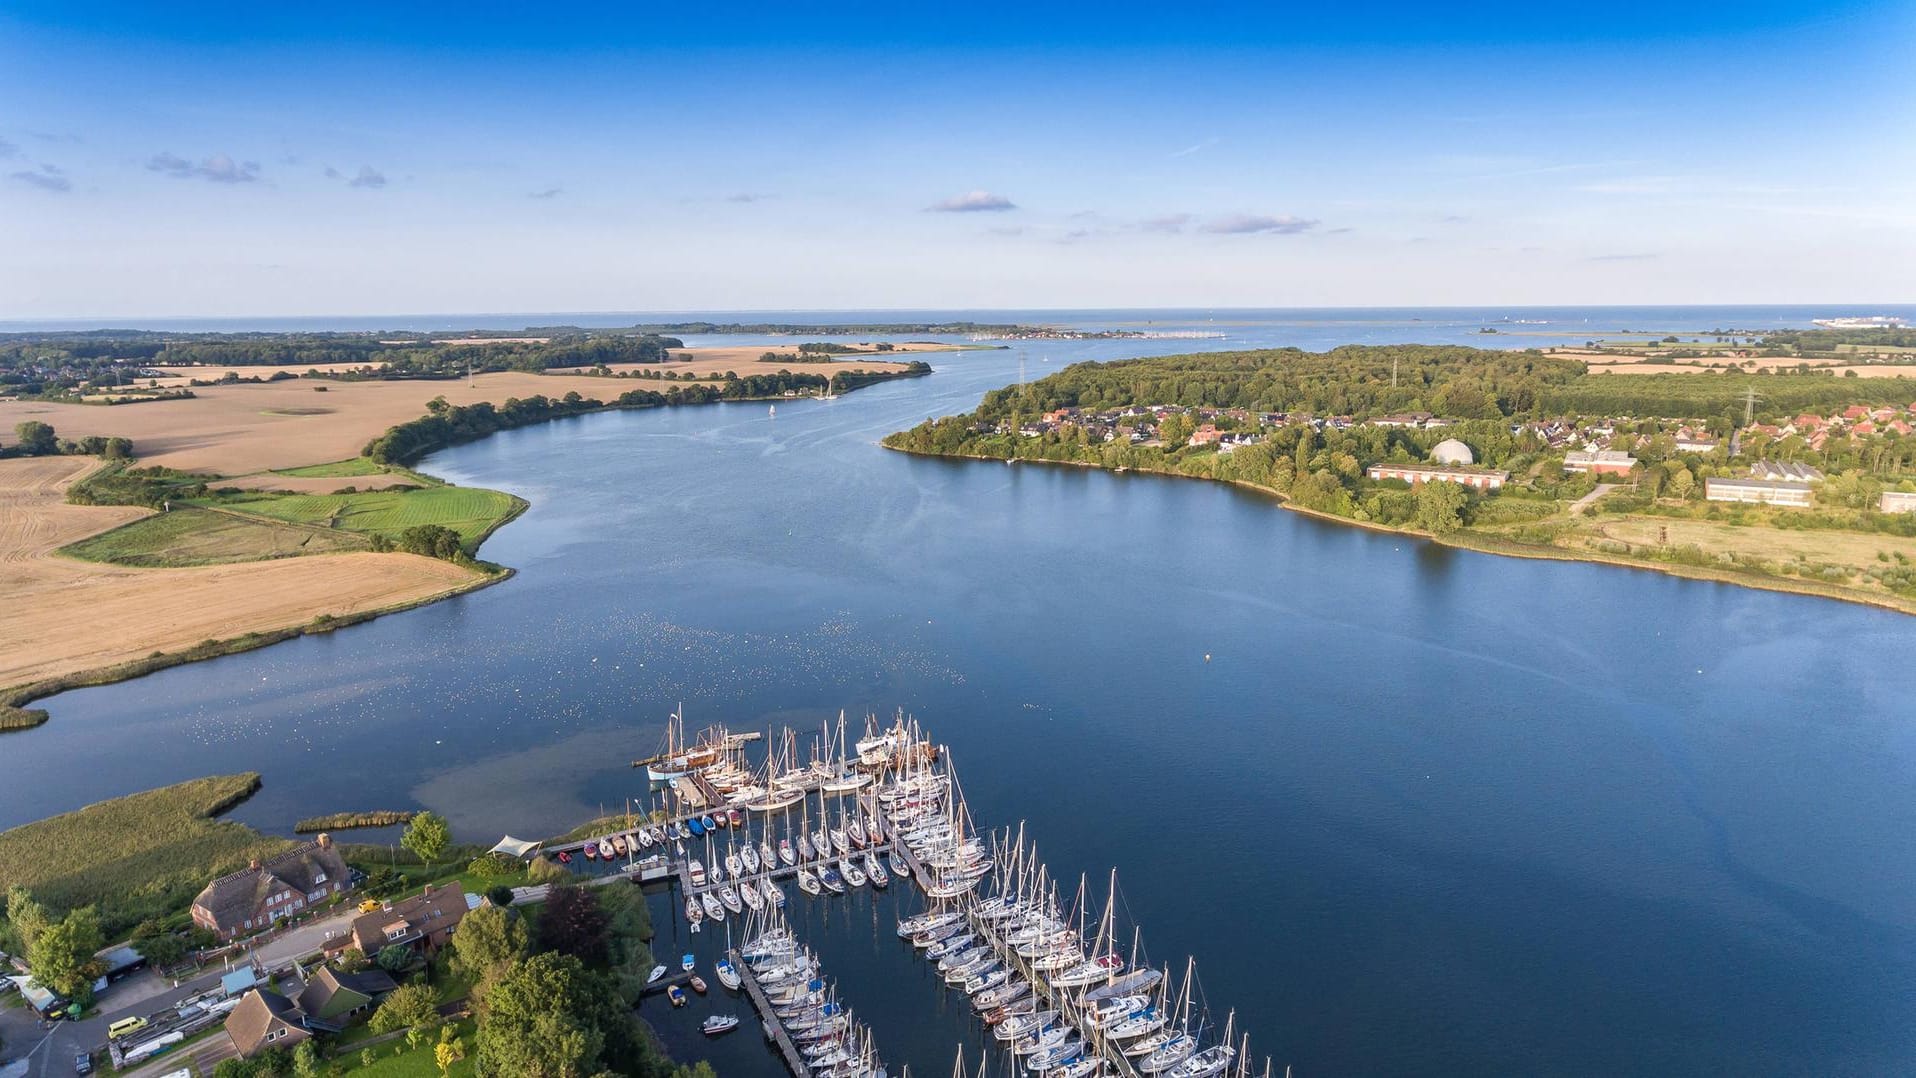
244, 429
51, 622
1624, 363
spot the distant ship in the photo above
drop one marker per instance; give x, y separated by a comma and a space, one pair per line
1875, 321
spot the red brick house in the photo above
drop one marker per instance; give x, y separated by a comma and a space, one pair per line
252, 899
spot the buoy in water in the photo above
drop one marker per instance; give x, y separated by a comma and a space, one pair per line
1207, 656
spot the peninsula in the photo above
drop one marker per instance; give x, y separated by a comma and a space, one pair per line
1785, 477
208, 493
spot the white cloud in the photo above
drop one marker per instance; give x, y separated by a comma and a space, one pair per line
218, 168
1247, 224
974, 202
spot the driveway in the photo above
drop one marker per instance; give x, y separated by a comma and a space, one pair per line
50, 1052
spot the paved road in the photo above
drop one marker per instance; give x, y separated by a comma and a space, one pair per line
50, 1052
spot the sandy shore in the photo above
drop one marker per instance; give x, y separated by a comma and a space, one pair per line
63, 617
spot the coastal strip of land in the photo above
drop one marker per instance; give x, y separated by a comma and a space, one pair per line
262, 504
1786, 479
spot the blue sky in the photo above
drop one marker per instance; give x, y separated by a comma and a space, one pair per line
390, 159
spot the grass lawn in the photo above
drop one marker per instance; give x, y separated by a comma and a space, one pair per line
471, 512
188, 536
417, 1062
137, 856
338, 469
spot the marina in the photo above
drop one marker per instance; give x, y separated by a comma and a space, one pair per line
1053, 987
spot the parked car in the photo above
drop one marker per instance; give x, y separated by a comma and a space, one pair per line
83, 1063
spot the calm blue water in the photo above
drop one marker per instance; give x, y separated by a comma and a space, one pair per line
1423, 811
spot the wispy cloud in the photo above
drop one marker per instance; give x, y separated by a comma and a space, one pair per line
1170, 222
746, 196
8, 150
1195, 147
218, 168
547, 194
1641, 256
1339, 231
1247, 224
1012, 230
973, 202
46, 178
369, 178
1453, 219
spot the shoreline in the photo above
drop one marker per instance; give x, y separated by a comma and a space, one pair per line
16, 717
1480, 542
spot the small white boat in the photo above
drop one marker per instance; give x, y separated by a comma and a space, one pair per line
657, 972
729, 895
748, 856
807, 882
772, 893
785, 852
686, 962
851, 872
728, 974
873, 868
719, 1023
713, 908
749, 892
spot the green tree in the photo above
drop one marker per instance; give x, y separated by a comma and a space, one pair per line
306, 1060
573, 922
427, 835
394, 957
489, 942
26, 916
410, 1006
500, 895
449, 1050
1440, 507
62, 955
1682, 483
160, 947
552, 1018
36, 438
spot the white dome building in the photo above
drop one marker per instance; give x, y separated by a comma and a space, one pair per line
1452, 451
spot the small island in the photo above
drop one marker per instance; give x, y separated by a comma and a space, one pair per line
1787, 477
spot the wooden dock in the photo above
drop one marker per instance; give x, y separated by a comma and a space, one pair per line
774, 1029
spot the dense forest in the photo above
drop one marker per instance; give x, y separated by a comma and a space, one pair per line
1451, 381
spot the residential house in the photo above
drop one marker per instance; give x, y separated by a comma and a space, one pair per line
343, 997
424, 922
247, 901
1207, 434
265, 1019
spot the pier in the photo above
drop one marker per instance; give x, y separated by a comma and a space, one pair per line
768, 1018
919, 826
